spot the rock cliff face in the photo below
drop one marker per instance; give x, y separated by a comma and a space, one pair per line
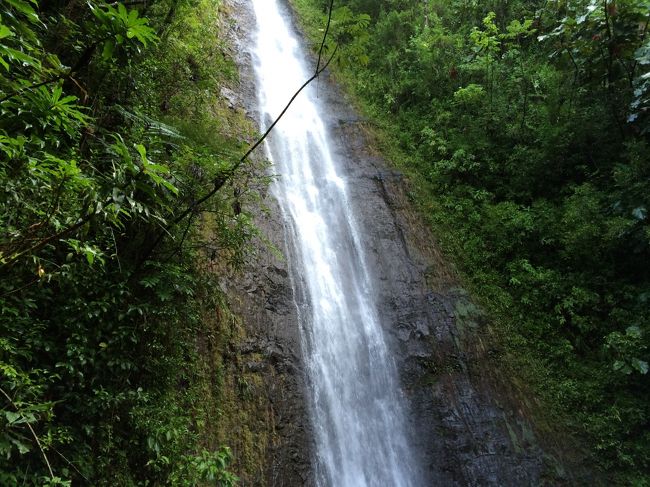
465, 424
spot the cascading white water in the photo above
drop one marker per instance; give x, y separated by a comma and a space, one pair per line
354, 391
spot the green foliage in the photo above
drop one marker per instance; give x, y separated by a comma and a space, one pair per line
118, 26
524, 126
350, 31
100, 377
206, 467
627, 348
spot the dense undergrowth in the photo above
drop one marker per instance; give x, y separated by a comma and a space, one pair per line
524, 126
111, 127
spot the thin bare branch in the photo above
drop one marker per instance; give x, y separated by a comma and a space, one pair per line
327, 29
38, 442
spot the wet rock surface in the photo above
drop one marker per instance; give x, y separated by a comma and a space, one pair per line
465, 432
466, 428
262, 296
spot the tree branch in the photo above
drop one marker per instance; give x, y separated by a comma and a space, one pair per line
70, 463
57, 236
84, 59
38, 442
327, 29
31, 87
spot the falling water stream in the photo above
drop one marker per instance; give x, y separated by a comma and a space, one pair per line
354, 392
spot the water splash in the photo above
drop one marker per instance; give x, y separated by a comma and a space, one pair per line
354, 391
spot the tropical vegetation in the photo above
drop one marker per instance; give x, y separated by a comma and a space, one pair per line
111, 130
524, 126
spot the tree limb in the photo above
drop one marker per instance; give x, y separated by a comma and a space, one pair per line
38, 442
57, 236
327, 28
84, 59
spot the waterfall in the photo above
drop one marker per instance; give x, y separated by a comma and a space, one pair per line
354, 393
